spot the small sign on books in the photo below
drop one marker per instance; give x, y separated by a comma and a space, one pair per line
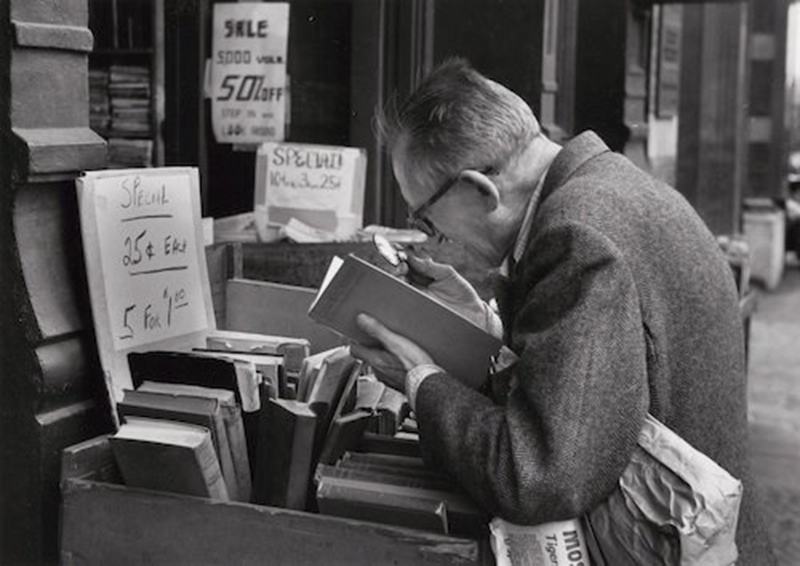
320, 186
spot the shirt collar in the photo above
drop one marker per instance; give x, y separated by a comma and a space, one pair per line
525, 229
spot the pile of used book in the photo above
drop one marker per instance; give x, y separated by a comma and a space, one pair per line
120, 111
271, 424
385, 487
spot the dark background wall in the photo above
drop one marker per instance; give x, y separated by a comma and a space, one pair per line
49, 384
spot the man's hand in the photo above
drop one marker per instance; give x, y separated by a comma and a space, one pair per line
398, 356
453, 290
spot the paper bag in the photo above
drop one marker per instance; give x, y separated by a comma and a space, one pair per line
674, 506
560, 543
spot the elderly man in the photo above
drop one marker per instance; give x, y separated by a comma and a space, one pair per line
617, 301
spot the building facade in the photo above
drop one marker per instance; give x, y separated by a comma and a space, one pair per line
692, 91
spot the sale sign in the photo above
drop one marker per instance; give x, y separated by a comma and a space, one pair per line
249, 71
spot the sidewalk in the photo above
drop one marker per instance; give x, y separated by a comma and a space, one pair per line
774, 392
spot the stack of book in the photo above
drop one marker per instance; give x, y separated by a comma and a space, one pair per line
123, 153
311, 423
129, 119
230, 415
173, 456
396, 490
217, 389
129, 91
388, 408
185, 439
99, 104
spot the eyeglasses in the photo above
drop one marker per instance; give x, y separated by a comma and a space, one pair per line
417, 218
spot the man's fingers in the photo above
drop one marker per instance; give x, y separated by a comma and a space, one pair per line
373, 356
391, 341
406, 351
427, 266
371, 326
377, 330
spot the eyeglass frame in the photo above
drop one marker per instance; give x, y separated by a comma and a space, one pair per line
416, 216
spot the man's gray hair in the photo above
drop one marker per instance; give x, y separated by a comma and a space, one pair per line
457, 119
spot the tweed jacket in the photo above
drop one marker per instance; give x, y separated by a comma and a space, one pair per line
622, 303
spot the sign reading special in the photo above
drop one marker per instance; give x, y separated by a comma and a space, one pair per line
308, 177
249, 71
151, 279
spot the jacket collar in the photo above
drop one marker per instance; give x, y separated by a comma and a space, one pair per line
573, 155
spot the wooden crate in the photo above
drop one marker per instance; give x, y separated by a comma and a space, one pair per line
104, 522
108, 523
304, 265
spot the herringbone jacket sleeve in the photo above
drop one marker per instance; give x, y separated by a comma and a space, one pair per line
557, 445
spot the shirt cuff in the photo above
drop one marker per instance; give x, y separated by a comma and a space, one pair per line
494, 325
414, 379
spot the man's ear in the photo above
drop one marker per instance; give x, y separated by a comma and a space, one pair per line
486, 187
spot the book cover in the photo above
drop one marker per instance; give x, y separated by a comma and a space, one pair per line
372, 462
353, 286
392, 461
332, 377
234, 425
286, 444
383, 444
293, 350
369, 502
331, 390
270, 366
168, 456
392, 409
310, 369
205, 412
463, 517
439, 482
345, 434
370, 391
195, 369
183, 367
347, 398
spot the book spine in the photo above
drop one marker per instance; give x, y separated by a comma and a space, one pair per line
234, 427
324, 471
212, 472
354, 502
226, 457
214, 423
284, 455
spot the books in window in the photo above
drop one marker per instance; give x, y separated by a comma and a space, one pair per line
352, 286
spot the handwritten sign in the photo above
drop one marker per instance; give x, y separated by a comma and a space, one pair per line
148, 252
249, 71
306, 177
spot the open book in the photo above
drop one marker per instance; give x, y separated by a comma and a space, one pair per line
353, 286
